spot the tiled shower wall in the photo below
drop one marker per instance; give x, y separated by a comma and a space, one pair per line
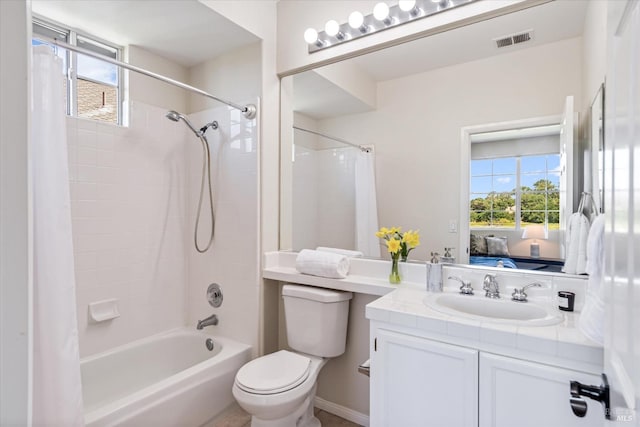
234, 258
134, 196
324, 198
129, 209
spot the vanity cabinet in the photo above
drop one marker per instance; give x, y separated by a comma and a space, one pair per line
517, 392
418, 382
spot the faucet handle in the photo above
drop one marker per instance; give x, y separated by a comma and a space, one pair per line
519, 295
489, 279
465, 287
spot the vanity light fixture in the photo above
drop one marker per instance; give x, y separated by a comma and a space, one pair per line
381, 13
382, 17
409, 6
356, 21
332, 28
311, 37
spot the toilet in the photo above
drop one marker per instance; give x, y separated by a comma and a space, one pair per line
278, 389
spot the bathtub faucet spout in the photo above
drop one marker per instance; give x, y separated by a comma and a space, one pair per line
211, 320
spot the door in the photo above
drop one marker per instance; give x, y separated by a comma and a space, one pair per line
622, 230
416, 382
566, 170
519, 393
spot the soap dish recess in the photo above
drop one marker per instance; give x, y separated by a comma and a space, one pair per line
101, 311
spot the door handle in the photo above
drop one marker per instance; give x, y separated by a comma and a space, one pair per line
598, 393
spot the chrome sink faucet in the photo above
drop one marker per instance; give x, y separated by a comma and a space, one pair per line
520, 295
490, 286
209, 321
465, 287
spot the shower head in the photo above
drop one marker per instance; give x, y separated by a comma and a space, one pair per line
175, 116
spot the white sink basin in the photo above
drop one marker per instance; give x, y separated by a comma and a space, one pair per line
501, 310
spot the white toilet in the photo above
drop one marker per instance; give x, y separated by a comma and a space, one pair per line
278, 389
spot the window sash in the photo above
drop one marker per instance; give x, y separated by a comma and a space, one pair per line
46, 32
517, 194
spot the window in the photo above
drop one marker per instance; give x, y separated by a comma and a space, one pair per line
92, 86
513, 192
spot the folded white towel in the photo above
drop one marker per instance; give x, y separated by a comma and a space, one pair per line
345, 252
324, 264
591, 322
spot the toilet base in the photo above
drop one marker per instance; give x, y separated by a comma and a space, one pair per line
302, 416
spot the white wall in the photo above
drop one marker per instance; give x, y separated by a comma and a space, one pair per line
151, 91
594, 48
416, 128
15, 251
233, 76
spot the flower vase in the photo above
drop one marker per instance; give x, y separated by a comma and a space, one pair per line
394, 277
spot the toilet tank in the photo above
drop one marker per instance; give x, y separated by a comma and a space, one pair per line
316, 319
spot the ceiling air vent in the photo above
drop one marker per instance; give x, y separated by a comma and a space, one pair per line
521, 37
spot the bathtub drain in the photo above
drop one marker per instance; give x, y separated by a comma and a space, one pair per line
209, 344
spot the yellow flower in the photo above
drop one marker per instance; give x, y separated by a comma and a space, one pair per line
411, 238
383, 232
395, 230
393, 246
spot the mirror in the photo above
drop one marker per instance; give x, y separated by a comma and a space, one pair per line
597, 150
410, 104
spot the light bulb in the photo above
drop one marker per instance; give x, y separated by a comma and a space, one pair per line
406, 5
356, 20
332, 28
310, 35
381, 11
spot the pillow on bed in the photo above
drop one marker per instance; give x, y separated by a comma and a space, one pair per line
477, 245
497, 246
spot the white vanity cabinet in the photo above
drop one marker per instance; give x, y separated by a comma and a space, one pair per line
516, 392
417, 382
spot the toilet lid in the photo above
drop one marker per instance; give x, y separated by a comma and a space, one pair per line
273, 373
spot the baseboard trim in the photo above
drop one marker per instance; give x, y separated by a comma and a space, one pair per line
342, 411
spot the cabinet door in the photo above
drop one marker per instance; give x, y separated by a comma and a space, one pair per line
416, 383
515, 392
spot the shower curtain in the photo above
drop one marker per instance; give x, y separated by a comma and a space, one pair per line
57, 390
366, 205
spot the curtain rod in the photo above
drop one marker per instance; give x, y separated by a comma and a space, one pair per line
248, 110
362, 148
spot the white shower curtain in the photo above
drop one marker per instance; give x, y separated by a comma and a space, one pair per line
366, 205
57, 390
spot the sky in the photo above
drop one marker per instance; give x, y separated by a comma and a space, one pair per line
499, 175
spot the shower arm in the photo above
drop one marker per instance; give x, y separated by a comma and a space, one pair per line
249, 111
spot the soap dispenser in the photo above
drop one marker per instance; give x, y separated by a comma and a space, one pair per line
434, 274
447, 257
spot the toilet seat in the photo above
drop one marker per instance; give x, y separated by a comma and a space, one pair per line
273, 373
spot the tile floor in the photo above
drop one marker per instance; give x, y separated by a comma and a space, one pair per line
236, 417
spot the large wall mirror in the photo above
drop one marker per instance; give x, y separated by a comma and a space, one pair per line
379, 140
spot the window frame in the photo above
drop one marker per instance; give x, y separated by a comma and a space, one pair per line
72, 66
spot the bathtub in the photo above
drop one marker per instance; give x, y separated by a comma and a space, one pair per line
170, 379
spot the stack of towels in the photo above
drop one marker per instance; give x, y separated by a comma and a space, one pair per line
325, 262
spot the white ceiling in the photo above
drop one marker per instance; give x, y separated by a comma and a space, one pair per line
553, 21
184, 31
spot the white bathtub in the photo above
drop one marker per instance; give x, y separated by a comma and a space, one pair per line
170, 379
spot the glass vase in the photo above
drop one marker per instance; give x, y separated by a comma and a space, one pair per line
394, 277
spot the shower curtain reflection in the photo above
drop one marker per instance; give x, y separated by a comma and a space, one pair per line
57, 393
